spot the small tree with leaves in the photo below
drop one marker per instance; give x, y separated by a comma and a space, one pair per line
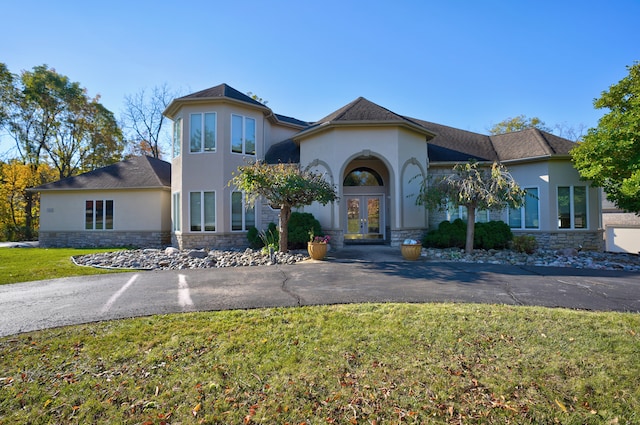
472, 187
284, 185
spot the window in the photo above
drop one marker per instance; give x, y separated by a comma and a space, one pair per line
243, 135
363, 177
177, 134
202, 211
242, 218
572, 207
176, 212
453, 212
527, 216
202, 132
98, 215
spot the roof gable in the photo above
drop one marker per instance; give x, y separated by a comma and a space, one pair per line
140, 172
529, 143
219, 92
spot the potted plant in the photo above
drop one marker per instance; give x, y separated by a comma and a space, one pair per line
411, 249
317, 246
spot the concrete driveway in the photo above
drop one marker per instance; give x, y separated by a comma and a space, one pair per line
352, 276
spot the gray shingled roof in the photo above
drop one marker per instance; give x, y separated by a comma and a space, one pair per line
284, 152
140, 172
221, 91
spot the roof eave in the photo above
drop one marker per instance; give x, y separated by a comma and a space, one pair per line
332, 124
176, 104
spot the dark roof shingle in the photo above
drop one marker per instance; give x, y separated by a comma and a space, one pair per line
140, 172
221, 91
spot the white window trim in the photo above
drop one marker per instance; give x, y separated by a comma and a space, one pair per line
202, 133
572, 208
523, 225
202, 226
176, 222
243, 135
104, 215
176, 145
245, 228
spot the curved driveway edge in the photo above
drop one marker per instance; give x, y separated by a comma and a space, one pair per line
37, 305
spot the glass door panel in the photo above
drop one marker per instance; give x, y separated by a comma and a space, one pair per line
363, 217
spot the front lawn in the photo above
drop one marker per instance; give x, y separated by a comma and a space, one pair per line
353, 364
27, 264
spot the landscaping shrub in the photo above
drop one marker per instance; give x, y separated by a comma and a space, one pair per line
525, 243
492, 235
259, 239
448, 235
300, 224
253, 236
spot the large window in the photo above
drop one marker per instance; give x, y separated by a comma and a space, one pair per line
242, 218
202, 211
176, 212
98, 215
177, 136
243, 135
202, 132
572, 207
527, 216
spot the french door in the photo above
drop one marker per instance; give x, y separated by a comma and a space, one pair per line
364, 217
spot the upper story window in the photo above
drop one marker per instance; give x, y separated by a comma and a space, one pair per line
572, 207
177, 136
243, 135
202, 132
528, 215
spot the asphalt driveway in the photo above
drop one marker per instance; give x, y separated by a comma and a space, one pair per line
361, 276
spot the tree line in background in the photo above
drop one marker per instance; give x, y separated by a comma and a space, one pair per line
59, 131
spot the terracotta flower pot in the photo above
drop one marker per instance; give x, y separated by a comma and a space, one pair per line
411, 252
317, 251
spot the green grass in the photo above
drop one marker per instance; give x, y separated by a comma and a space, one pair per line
355, 364
27, 264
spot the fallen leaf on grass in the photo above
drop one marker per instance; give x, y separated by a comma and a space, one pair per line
561, 406
196, 409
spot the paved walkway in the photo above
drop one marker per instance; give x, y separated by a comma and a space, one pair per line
352, 275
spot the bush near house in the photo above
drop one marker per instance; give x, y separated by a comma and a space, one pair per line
491, 235
524, 243
300, 224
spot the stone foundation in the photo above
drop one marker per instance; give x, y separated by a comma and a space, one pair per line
589, 241
91, 239
337, 238
210, 240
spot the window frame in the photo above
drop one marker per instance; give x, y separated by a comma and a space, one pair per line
203, 132
106, 217
523, 212
177, 138
243, 135
572, 207
176, 222
245, 226
202, 212
462, 210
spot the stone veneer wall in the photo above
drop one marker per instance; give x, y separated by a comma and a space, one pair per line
398, 236
337, 238
589, 241
210, 240
86, 239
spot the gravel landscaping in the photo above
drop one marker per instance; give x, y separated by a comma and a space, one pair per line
174, 259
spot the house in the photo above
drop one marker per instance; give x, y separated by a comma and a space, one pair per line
123, 204
372, 156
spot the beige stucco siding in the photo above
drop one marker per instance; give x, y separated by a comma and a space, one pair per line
134, 210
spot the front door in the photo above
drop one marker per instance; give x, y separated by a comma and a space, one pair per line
364, 218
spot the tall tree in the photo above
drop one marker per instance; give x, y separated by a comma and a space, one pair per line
609, 154
53, 120
518, 123
473, 187
285, 185
143, 120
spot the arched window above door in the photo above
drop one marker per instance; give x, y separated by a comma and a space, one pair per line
363, 176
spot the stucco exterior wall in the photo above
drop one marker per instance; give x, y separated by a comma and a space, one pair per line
134, 210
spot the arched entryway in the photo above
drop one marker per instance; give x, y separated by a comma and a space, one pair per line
365, 190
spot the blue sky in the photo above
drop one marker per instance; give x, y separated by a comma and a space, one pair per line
467, 64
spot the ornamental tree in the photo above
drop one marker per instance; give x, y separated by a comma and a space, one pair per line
284, 185
609, 154
474, 188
